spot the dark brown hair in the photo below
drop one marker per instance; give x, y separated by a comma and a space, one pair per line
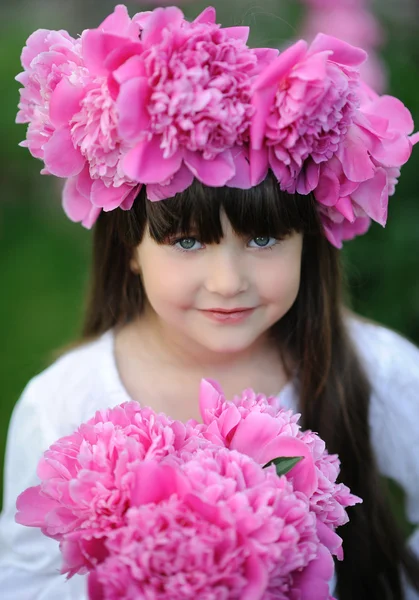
334, 391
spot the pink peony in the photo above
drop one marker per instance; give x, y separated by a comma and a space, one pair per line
355, 185
90, 123
88, 478
192, 90
228, 530
47, 58
72, 118
332, 3
304, 103
253, 424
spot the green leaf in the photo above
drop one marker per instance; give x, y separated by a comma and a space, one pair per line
284, 464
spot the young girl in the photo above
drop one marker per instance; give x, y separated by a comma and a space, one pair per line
241, 283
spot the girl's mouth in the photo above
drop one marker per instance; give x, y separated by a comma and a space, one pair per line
234, 315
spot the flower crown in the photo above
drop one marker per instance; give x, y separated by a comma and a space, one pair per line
156, 100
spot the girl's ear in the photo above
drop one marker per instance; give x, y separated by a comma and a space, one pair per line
134, 263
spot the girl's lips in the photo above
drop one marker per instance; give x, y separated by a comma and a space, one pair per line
236, 315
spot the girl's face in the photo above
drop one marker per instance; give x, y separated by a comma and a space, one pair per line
224, 296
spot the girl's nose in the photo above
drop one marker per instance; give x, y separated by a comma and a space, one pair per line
227, 274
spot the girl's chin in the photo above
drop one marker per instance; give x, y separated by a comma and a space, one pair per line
227, 344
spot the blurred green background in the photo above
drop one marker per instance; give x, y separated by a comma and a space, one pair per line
44, 258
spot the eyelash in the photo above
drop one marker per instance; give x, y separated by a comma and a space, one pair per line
178, 248
177, 240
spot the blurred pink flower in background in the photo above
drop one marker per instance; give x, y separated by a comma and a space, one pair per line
354, 22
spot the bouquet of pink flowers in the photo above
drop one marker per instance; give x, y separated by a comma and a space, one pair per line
243, 506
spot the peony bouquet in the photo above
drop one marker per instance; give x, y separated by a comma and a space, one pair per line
243, 506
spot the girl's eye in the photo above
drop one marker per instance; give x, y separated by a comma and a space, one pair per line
186, 244
262, 242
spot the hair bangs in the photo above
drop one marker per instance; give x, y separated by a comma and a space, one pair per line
262, 210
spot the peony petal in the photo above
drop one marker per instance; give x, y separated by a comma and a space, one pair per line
208, 16
373, 123
345, 207
347, 187
76, 206
117, 22
265, 56
328, 190
131, 105
118, 57
108, 198
84, 182
313, 581
393, 153
145, 163
238, 33
65, 103
343, 53
280, 67
257, 579
358, 227
354, 156
91, 217
95, 589
329, 539
259, 165
59, 521
372, 197
155, 482
241, 179
414, 139
132, 67
210, 512
178, 184
32, 507
303, 475
312, 68
96, 47
210, 393
399, 117
215, 172
254, 433
159, 20
282, 172
213, 434
228, 422
36, 44
262, 102
130, 198
309, 177
61, 157
332, 232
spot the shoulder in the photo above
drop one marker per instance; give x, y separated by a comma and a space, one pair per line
392, 365
71, 389
388, 357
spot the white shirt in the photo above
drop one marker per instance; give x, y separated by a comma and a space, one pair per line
86, 379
